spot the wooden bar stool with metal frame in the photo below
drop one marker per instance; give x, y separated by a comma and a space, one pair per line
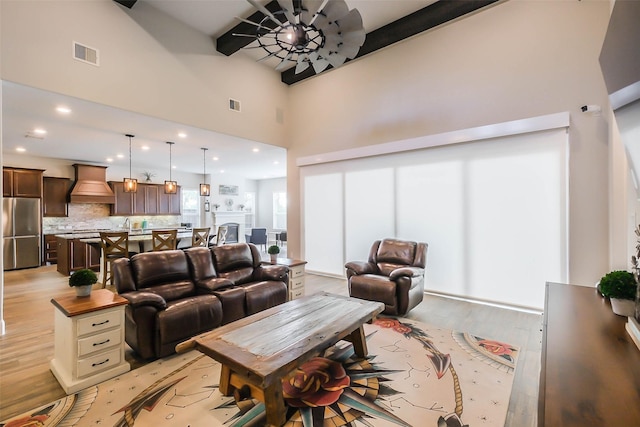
200, 237
114, 245
164, 240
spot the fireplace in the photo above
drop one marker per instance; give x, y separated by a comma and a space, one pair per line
232, 232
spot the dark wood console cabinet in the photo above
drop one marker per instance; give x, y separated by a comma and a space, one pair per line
590, 372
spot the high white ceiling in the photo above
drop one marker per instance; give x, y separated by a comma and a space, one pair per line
93, 133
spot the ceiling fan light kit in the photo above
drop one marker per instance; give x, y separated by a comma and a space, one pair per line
316, 33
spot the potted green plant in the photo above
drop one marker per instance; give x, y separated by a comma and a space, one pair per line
82, 280
620, 286
273, 250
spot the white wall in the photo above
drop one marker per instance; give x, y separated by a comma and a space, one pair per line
149, 63
518, 59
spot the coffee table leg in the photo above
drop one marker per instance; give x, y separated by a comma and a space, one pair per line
225, 381
274, 405
359, 342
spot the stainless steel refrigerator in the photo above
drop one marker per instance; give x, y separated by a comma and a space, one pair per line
21, 232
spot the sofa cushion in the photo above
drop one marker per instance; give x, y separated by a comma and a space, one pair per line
153, 269
185, 318
373, 288
200, 262
235, 262
233, 303
262, 295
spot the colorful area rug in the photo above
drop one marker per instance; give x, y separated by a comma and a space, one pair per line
415, 375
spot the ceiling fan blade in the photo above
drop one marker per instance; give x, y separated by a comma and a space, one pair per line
335, 59
309, 9
333, 11
319, 65
265, 11
302, 64
287, 8
285, 62
270, 55
262, 27
352, 21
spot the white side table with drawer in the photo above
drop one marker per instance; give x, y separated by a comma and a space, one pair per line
295, 287
89, 339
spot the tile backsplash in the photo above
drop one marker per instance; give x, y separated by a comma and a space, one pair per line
92, 216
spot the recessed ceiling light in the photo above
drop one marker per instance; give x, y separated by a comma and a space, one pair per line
255, 150
120, 156
173, 167
182, 135
21, 149
221, 170
63, 110
145, 147
109, 159
216, 158
276, 162
39, 131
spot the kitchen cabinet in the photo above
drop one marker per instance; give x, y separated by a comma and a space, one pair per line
75, 255
55, 196
22, 182
150, 199
50, 249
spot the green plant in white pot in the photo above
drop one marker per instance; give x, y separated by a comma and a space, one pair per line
273, 251
620, 286
83, 280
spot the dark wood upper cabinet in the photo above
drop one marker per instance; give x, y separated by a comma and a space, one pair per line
22, 182
55, 196
150, 199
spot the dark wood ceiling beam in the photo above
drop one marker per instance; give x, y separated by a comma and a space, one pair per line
126, 3
424, 19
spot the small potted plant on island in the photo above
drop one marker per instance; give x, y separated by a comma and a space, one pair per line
620, 286
82, 280
273, 250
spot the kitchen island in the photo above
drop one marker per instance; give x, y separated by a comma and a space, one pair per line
82, 249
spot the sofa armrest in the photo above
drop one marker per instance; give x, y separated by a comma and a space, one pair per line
207, 286
271, 272
406, 271
360, 267
142, 298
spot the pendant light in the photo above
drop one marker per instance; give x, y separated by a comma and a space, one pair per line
205, 189
130, 184
170, 187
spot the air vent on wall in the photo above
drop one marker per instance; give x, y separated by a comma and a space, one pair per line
234, 105
85, 54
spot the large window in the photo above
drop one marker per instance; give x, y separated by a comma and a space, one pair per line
280, 211
191, 206
493, 212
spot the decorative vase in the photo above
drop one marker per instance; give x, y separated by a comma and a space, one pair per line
83, 291
623, 307
273, 258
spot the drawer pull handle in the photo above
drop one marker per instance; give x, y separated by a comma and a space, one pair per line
100, 343
98, 364
101, 323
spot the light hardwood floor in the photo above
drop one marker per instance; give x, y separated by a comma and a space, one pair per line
27, 346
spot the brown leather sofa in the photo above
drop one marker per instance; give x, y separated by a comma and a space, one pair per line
393, 274
174, 295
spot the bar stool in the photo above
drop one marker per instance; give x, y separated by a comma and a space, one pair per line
200, 237
114, 245
164, 240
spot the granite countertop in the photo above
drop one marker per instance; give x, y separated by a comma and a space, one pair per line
90, 234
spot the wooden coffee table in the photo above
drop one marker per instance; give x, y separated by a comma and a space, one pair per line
258, 351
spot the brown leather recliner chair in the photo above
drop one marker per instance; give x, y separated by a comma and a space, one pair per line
393, 275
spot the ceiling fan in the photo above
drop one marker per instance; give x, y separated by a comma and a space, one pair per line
305, 33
